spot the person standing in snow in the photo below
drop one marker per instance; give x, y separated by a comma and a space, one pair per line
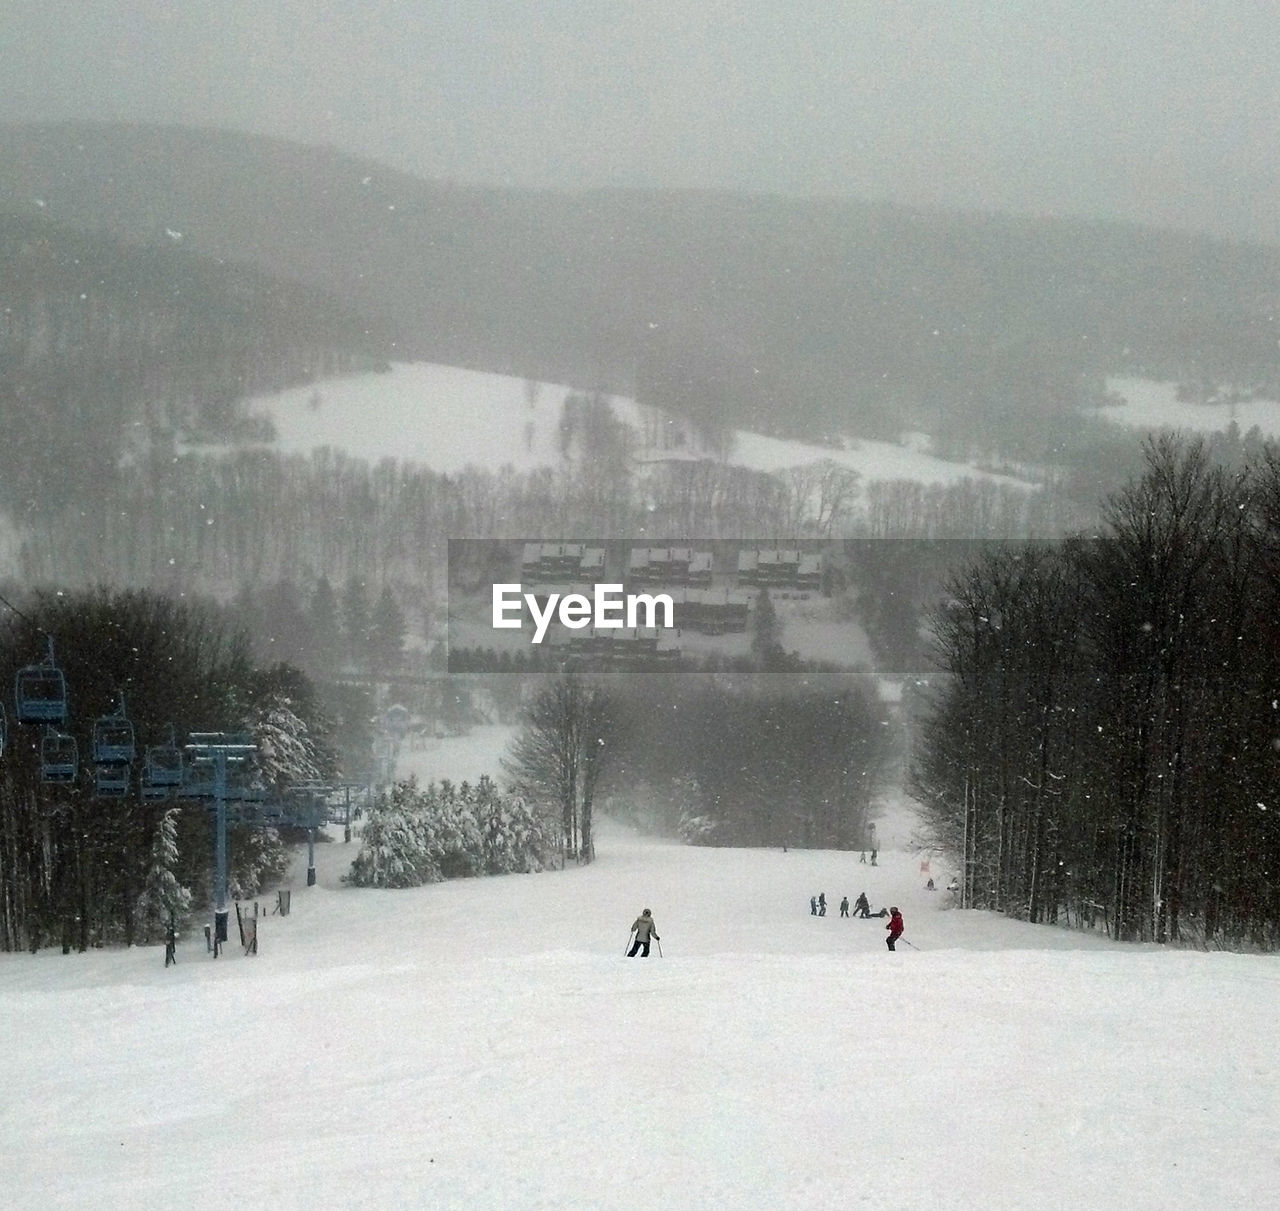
644, 929
822, 904
844, 907
895, 928
813, 906
862, 906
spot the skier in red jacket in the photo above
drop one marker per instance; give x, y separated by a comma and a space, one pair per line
895, 928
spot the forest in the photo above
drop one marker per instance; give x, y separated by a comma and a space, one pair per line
1103, 750
110, 353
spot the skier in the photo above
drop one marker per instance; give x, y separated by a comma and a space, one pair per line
844, 907
644, 929
822, 904
895, 928
874, 851
813, 906
862, 906
929, 886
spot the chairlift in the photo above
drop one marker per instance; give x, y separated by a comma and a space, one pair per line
113, 738
161, 769
199, 780
152, 793
59, 757
197, 777
111, 781
40, 691
241, 782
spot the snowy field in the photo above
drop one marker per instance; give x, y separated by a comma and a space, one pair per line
448, 418
1155, 405
457, 758
485, 1044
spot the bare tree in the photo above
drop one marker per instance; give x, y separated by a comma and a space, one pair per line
560, 755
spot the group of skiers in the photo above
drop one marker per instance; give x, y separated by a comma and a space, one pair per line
644, 929
861, 906
862, 909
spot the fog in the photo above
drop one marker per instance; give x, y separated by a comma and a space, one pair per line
1162, 113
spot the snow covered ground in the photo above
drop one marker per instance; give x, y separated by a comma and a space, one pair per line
485, 1044
448, 418
457, 758
1155, 405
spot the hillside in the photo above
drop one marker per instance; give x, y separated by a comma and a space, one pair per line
483, 1043
108, 349
802, 317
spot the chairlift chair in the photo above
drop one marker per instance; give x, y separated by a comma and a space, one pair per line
152, 792
111, 781
59, 757
113, 738
40, 691
241, 783
198, 777
161, 769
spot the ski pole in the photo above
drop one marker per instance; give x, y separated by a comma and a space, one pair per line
627, 948
659, 942
911, 944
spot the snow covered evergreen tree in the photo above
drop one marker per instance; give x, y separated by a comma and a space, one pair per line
287, 752
415, 836
393, 850
164, 897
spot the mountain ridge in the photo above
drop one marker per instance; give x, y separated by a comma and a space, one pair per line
798, 317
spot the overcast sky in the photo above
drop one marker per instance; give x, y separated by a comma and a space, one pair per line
1156, 112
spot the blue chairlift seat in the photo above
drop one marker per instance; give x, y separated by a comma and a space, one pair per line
198, 778
40, 694
111, 781
162, 766
59, 757
113, 741
153, 793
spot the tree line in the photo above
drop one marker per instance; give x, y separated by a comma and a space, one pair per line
1104, 750
202, 521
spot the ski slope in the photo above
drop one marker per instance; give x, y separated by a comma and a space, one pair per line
1151, 404
449, 418
485, 1044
